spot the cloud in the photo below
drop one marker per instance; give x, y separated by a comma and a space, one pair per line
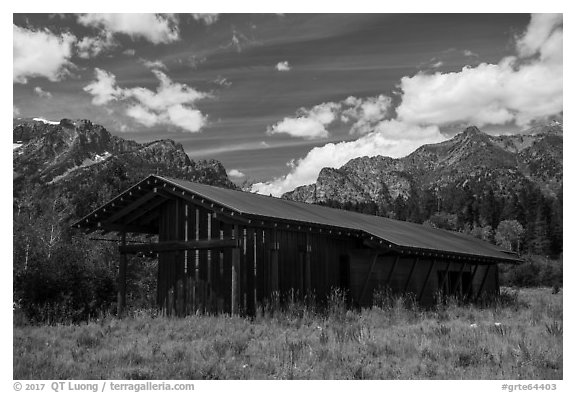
283, 66
312, 123
235, 173
309, 123
391, 138
518, 89
156, 28
15, 111
42, 93
40, 54
540, 34
365, 112
469, 53
157, 64
129, 52
89, 47
103, 89
172, 103
221, 81
208, 19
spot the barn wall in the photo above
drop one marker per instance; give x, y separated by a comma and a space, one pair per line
422, 280
304, 262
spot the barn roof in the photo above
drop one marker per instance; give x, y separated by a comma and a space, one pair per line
394, 233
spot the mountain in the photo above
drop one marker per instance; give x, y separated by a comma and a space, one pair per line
504, 163
82, 163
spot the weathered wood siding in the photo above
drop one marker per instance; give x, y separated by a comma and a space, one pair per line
422, 279
291, 260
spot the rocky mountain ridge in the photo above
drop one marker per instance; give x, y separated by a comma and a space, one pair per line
75, 159
505, 163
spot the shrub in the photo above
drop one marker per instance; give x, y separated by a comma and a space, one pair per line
535, 272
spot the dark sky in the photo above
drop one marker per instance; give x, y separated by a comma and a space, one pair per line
232, 61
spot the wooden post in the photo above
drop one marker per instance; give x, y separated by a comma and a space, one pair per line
234, 301
122, 278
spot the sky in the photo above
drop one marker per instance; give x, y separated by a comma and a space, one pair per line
277, 97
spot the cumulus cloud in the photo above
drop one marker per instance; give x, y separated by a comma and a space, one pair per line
518, 89
40, 53
235, 173
542, 31
15, 111
283, 66
103, 89
365, 113
42, 93
156, 28
309, 123
362, 113
172, 103
208, 19
392, 138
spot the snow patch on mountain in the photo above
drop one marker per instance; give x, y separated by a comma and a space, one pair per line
45, 121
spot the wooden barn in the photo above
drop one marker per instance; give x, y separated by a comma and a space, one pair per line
221, 250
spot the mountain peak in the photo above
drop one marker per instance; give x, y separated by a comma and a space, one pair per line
472, 130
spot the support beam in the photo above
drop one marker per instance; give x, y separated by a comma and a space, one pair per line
392, 270
179, 245
230, 217
130, 207
410, 274
433, 262
471, 283
123, 228
144, 210
365, 286
122, 278
483, 282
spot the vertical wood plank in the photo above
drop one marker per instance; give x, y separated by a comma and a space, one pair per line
235, 270
122, 278
274, 248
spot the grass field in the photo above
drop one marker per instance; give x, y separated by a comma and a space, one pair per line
517, 338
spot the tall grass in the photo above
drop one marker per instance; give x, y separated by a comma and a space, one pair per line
515, 336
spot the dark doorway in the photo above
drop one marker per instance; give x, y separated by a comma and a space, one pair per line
453, 286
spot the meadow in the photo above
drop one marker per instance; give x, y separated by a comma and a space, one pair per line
516, 336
